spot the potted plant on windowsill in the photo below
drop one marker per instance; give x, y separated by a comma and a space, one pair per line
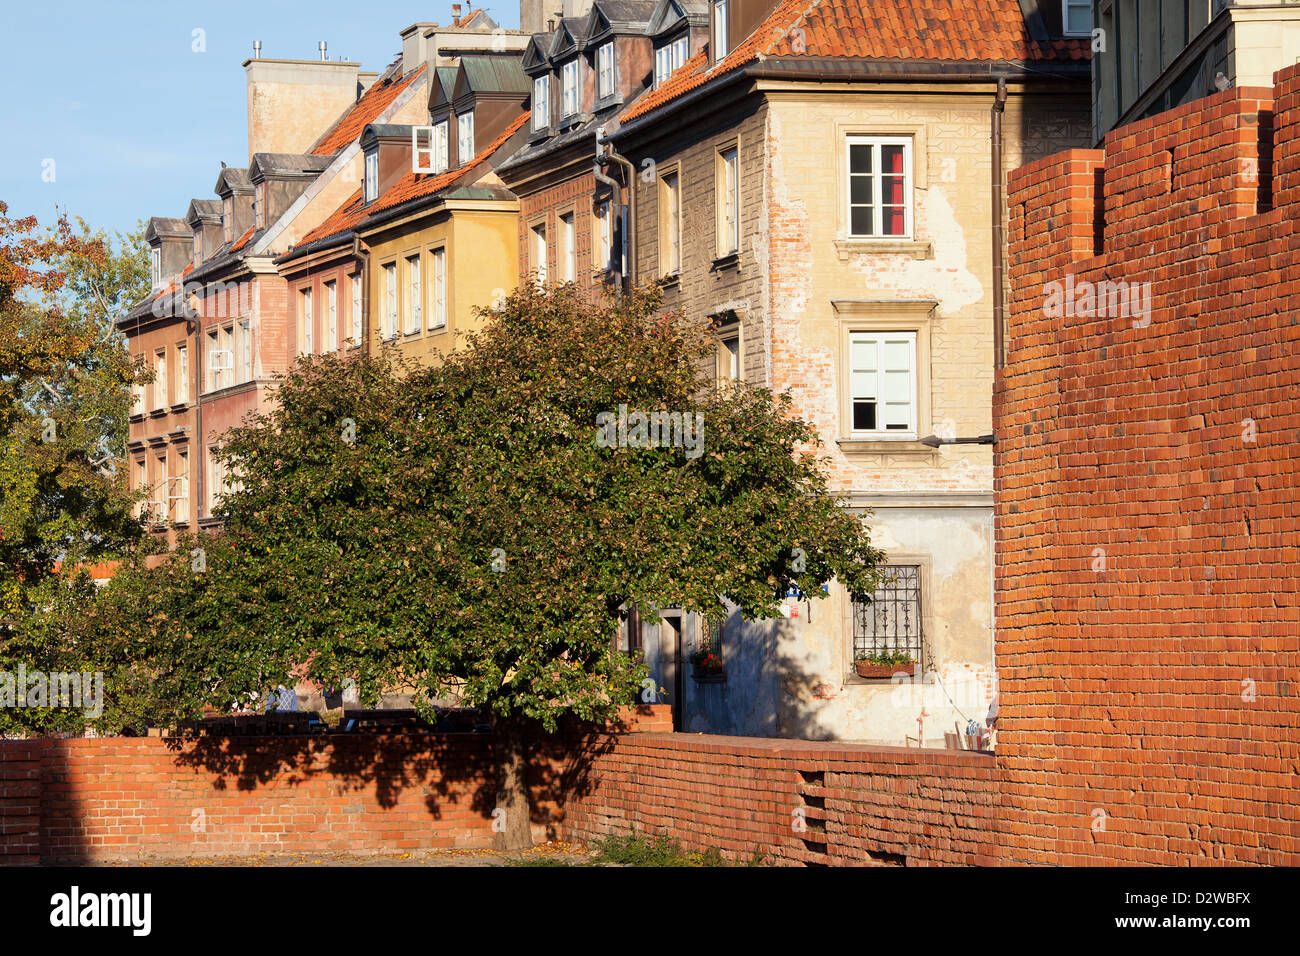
885, 664
707, 667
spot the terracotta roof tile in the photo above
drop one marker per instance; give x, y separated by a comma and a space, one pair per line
365, 111
956, 30
467, 19
243, 240
411, 186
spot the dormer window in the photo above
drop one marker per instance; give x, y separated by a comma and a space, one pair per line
569, 82
259, 205
440, 147
422, 149
371, 185
155, 266
1076, 16
605, 70
541, 102
465, 137
198, 247
720, 39
227, 218
669, 57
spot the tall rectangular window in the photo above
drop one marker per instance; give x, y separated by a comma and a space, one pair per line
182, 374
259, 205
180, 492
728, 192
541, 102
227, 218
161, 489
216, 479
465, 137
670, 223
605, 70
539, 252
160, 396
422, 150
720, 33
371, 184
141, 483
440, 147
728, 355
155, 266
890, 623
244, 332
569, 249
879, 187
882, 384
356, 310
308, 330
215, 362
604, 236
331, 316
414, 295
390, 300
198, 248
438, 319
569, 80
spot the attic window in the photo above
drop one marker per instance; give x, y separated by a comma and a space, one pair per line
569, 79
720, 48
605, 70
198, 247
370, 188
670, 57
1076, 16
465, 137
422, 159
155, 266
227, 218
541, 102
259, 205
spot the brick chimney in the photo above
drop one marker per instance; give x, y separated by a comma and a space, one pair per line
291, 103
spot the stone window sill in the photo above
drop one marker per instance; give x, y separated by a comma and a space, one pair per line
730, 261
908, 247
871, 446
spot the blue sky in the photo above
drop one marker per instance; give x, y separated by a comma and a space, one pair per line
135, 121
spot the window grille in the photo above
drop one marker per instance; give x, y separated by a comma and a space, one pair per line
890, 623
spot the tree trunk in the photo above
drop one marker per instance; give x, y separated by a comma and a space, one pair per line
511, 820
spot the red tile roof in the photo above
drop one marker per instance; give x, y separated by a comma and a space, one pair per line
956, 30
243, 240
366, 110
467, 18
411, 186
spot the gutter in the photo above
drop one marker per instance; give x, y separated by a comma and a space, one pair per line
629, 171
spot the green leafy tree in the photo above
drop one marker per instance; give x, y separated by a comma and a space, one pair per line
65, 378
471, 533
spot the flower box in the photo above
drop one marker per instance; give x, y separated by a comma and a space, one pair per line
869, 669
709, 676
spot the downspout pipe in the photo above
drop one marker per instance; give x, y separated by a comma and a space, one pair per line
629, 174
618, 191
999, 105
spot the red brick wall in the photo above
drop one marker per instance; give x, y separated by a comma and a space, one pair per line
144, 798
1146, 495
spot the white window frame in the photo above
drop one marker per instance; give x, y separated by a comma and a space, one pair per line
160, 397
198, 247
541, 102
728, 207
438, 317
307, 340
390, 301
356, 311
414, 295
331, 316
216, 479
179, 500
604, 245
670, 57
228, 218
569, 247
670, 192
569, 98
719, 31
161, 487
877, 219
1066, 6
605, 70
422, 151
244, 363
371, 184
259, 205
880, 432
155, 266
182, 374
465, 137
539, 251
440, 133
